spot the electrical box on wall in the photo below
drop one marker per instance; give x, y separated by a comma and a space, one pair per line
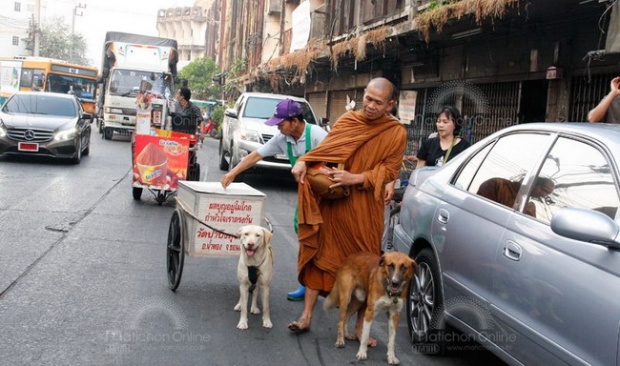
554, 73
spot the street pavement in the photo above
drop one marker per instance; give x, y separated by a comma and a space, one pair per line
83, 277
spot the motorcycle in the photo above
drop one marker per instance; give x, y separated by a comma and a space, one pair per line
213, 129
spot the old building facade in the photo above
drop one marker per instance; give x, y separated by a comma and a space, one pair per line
188, 25
501, 62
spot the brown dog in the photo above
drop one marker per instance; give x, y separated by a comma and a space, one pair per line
381, 283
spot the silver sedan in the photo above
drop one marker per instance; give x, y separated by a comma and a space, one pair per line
517, 246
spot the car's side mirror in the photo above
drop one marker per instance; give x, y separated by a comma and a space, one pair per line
231, 112
324, 123
114, 86
87, 116
586, 225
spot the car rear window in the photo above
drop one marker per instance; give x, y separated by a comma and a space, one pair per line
40, 104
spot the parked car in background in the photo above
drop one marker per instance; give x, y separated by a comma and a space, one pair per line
517, 244
46, 124
244, 129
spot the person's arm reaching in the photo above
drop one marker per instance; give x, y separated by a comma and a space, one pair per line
245, 164
598, 113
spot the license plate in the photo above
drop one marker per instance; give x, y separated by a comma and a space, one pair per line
28, 146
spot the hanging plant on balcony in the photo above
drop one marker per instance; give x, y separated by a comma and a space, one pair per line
438, 13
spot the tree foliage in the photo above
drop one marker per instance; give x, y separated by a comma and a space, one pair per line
57, 41
199, 74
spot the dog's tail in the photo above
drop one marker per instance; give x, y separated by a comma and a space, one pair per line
332, 299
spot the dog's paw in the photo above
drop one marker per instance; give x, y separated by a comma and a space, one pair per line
243, 324
340, 343
254, 310
267, 323
361, 355
392, 360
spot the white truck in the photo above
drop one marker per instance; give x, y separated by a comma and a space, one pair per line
128, 59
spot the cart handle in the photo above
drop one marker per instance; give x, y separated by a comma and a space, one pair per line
211, 227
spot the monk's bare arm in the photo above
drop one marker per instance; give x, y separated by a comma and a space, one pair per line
299, 171
344, 178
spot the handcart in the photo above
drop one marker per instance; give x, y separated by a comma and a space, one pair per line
162, 158
207, 220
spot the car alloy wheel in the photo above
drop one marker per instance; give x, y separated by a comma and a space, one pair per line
421, 301
427, 329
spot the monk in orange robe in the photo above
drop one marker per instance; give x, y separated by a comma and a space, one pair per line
371, 143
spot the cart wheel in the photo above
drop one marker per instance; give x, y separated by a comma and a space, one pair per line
137, 193
161, 197
175, 253
194, 173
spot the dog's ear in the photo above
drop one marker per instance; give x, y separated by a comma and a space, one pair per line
413, 263
382, 260
268, 235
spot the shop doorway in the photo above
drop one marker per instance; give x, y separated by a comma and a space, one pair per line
533, 107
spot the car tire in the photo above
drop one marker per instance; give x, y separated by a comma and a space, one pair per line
193, 173
99, 125
137, 193
425, 307
223, 163
233, 163
78, 152
86, 151
108, 133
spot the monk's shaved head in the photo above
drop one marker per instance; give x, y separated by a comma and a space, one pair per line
378, 98
383, 84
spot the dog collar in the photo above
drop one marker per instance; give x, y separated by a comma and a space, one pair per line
395, 296
253, 273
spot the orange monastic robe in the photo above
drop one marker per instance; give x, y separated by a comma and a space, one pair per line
331, 230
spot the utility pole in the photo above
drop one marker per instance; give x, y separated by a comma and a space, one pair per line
36, 28
79, 7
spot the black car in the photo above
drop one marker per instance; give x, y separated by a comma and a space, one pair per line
45, 124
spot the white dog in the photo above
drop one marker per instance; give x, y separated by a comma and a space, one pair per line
255, 269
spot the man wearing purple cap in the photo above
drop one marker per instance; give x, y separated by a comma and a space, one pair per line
296, 138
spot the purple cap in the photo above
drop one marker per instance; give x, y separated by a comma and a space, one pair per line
285, 109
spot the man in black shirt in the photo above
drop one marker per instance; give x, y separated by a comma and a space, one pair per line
186, 109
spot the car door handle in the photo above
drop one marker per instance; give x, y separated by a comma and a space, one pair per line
512, 250
443, 216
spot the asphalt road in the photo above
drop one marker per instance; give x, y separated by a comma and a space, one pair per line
83, 277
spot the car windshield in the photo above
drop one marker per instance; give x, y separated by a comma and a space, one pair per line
126, 83
42, 103
260, 107
265, 107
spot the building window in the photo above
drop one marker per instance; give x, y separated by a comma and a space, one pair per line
15, 41
18, 6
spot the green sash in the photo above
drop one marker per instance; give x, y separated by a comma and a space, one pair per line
289, 147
